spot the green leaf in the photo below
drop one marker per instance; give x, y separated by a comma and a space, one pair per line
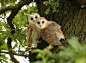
74, 43
36, 50
57, 4
45, 2
66, 53
81, 60
0, 25
47, 11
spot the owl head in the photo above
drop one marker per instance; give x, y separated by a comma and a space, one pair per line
32, 18
41, 23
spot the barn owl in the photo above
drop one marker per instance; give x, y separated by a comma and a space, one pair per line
32, 33
50, 31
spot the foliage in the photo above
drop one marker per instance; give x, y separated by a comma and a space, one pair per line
45, 54
20, 23
3, 58
53, 4
3, 45
4, 3
74, 53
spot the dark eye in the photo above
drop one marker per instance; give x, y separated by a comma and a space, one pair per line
42, 21
38, 22
36, 17
31, 18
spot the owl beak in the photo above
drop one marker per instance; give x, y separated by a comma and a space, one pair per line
34, 20
41, 25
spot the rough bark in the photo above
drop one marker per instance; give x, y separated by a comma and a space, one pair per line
72, 19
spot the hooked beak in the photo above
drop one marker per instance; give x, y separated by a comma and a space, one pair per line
34, 20
41, 25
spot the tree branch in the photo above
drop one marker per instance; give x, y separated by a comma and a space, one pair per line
6, 9
20, 4
9, 46
14, 10
13, 53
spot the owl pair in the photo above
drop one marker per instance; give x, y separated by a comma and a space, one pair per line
38, 27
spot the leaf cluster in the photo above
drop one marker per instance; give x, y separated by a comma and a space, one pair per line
20, 23
3, 45
4, 3
74, 53
45, 55
52, 4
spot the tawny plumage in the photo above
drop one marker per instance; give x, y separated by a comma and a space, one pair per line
50, 31
32, 33
29, 33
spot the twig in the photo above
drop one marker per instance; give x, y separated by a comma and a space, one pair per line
14, 54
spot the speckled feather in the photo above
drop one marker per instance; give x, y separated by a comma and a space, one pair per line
49, 33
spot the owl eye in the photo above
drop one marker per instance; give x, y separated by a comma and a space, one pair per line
36, 17
42, 21
31, 18
38, 22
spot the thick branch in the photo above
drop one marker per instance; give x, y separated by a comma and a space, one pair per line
6, 9
20, 4
13, 53
15, 10
9, 46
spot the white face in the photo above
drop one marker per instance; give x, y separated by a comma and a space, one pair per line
40, 23
32, 18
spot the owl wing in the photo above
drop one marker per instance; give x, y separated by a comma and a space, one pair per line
28, 29
29, 33
57, 28
54, 24
50, 37
49, 34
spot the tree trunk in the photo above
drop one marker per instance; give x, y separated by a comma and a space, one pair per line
71, 17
